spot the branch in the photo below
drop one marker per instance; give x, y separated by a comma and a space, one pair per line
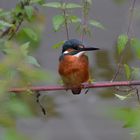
84, 86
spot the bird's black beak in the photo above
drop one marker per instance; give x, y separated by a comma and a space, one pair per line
88, 49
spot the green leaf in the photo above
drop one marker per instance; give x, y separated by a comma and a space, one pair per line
120, 97
72, 5
37, 1
135, 43
121, 43
136, 73
74, 19
24, 48
53, 4
4, 24
31, 34
32, 60
89, 1
58, 21
12, 134
15, 106
58, 45
96, 24
29, 11
127, 71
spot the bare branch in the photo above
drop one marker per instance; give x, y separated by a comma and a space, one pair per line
84, 86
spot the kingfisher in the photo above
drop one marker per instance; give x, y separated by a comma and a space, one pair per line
74, 65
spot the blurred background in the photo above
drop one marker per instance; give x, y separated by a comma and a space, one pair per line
82, 117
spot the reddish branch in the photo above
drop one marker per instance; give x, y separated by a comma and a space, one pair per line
92, 85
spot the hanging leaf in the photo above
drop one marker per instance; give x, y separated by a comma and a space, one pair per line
136, 73
53, 4
32, 60
127, 71
30, 33
96, 24
24, 48
58, 21
37, 1
135, 43
121, 43
29, 11
72, 5
121, 97
4, 24
58, 45
74, 19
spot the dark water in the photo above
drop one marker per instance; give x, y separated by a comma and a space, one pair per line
82, 117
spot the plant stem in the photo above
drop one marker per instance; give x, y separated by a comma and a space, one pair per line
85, 18
128, 34
66, 24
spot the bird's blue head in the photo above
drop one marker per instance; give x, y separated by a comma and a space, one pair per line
76, 45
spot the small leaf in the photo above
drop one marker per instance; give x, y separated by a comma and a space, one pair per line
37, 1
53, 4
121, 43
135, 43
4, 24
58, 21
120, 97
127, 71
30, 33
136, 73
96, 24
89, 1
29, 11
72, 5
74, 19
32, 60
24, 48
58, 45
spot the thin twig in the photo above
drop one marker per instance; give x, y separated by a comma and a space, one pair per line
84, 86
85, 18
128, 34
66, 23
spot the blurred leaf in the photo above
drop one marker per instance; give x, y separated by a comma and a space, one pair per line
3, 14
136, 73
89, 1
12, 134
53, 4
135, 43
96, 24
18, 108
4, 24
74, 19
59, 44
127, 71
72, 5
32, 60
31, 33
58, 21
24, 48
37, 1
29, 11
121, 43
130, 116
121, 97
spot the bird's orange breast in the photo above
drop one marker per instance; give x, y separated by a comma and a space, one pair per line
74, 70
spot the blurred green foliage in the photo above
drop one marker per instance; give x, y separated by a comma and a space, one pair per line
18, 68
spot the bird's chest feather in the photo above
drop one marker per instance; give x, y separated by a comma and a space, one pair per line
74, 70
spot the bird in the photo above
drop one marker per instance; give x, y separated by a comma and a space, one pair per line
74, 64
